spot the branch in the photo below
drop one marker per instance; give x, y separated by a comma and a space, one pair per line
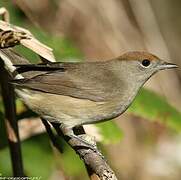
53, 138
93, 160
11, 123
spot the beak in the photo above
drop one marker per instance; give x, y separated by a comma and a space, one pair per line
165, 65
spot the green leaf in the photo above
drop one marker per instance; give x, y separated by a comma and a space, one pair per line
110, 132
151, 106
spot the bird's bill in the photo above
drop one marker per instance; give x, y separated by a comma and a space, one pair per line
166, 65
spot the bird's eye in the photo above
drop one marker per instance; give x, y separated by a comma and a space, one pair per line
145, 62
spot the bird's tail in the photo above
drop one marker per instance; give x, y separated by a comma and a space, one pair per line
8, 58
19, 67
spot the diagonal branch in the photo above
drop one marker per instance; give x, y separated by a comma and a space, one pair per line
52, 136
93, 160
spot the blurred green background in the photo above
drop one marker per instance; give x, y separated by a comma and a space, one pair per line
145, 142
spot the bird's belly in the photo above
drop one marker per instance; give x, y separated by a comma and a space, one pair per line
68, 110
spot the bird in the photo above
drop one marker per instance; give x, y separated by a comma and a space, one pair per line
79, 93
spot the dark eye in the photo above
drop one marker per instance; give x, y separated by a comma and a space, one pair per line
146, 62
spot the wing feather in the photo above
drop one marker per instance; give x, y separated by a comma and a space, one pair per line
76, 80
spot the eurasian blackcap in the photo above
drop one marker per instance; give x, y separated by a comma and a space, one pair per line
75, 94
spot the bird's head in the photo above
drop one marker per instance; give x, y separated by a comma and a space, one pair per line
141, 66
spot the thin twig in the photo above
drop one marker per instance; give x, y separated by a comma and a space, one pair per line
11, 123
52, 136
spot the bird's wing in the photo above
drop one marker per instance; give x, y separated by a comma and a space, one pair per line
71, 79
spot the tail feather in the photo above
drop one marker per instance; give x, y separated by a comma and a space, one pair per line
21, 68
9, 57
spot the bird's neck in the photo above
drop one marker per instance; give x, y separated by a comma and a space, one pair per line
125, 100
128, 89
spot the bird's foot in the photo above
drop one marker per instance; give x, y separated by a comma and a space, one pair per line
89, 144
84, 140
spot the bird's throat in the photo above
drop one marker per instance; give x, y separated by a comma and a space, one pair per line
121, 103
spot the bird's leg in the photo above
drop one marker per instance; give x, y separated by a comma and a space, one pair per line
69, 133
87, 143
